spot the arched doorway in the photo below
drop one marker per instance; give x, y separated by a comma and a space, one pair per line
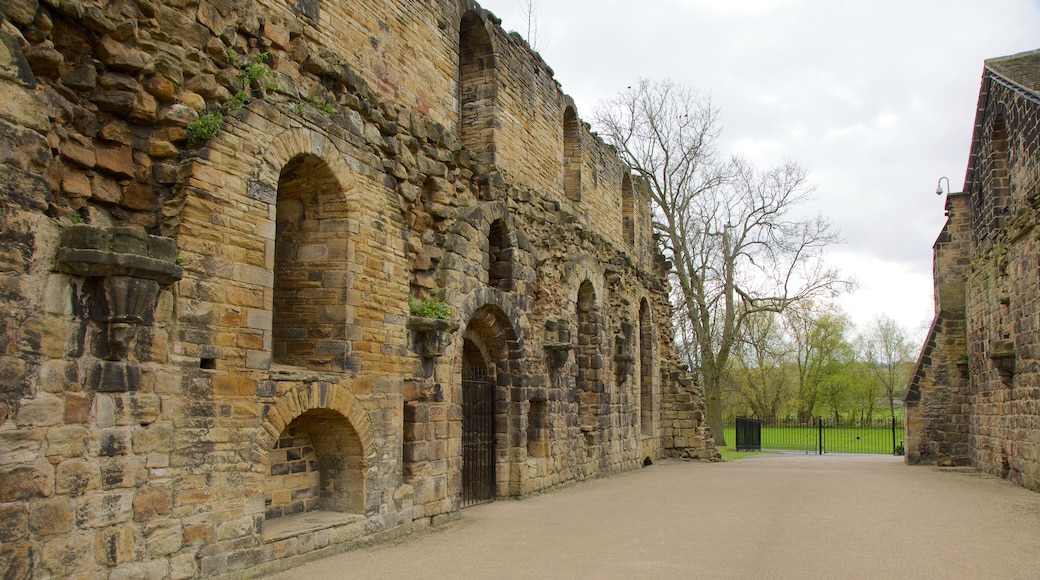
478, 426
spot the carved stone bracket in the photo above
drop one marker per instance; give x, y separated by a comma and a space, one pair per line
431, 337
557, 342
1002, 353
124, 270
556, 353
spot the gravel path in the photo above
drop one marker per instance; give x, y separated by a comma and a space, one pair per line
771, 516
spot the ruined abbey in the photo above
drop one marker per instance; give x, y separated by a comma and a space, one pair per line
975, 396
284, 276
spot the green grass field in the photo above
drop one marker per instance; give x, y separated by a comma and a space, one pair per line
873, 440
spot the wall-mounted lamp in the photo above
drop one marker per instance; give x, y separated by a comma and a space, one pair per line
938, 187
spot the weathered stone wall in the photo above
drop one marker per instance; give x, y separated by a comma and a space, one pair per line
978, 382
245, 387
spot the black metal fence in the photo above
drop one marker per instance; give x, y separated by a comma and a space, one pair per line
821, 435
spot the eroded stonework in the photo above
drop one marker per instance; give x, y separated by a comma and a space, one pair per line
208, 362
975, 397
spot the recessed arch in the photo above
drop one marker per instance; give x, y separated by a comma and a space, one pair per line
589, 357
647, 410
628, 210
313, 440
490, 346
572, 158
477, 88
312, 274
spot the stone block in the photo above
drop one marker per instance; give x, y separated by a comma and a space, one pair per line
138, 570
14, 522
20, 445
67, 440
20, 482
182, 567
17, 560
45, 409
77, 476
114, 546
150, 503
68, 555
104, 509
51, 516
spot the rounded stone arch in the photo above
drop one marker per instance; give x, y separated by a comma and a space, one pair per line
501, 246
314, 441
309, 396
279, 150
497, 303
572, 152
580, 268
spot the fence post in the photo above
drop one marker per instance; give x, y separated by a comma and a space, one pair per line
893, 435
819, 434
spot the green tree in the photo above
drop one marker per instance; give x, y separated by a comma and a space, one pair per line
821, 353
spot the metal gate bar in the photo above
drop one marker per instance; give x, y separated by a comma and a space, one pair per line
478, 436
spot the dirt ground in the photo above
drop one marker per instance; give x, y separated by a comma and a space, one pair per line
771, 516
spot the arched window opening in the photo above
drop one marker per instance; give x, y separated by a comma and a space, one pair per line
316, 464
999, 178
571, 154
628, 210
500, 257
310, 271
589, 358
646, 371
477, 89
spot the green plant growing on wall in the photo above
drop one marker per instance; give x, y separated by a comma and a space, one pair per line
429, 308
254, 69
206, 127
322, 105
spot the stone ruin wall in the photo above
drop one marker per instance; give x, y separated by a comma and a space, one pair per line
206, 342
981, 404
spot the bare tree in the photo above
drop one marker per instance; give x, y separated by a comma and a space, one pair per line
888, 352
728, 228
529, 10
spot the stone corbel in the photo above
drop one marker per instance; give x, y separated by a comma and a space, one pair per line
557, 344
1002, 353
431, 337
125, 269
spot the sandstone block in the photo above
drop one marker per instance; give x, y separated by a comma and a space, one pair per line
104, 509
150, 503
20, 446
121, 56
118, 161
67, 440
17, 560
14, 522
76, 476
182, 567
79, 154
138, 570
68, 555
51, 516
114, 546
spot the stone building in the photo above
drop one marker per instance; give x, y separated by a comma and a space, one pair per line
975, 396
214, 215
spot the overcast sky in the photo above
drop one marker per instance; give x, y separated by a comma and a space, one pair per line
876, 98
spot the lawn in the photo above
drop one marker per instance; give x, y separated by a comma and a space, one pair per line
841, 439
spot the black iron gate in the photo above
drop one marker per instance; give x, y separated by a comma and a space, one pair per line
749, 434
478, 435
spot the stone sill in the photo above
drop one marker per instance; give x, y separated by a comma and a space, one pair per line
299, 524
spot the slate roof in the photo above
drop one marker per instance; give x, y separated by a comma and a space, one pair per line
1018, 72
